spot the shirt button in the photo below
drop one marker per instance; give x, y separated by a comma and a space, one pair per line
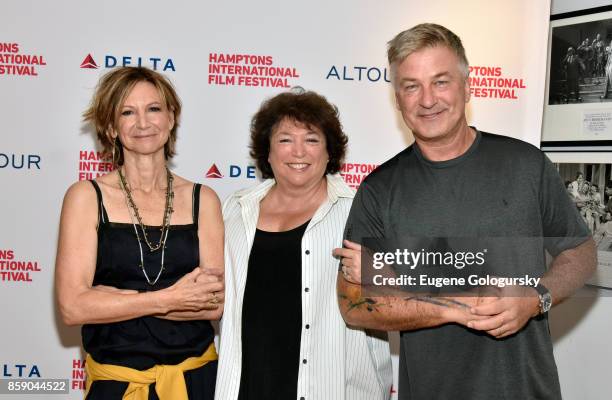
304, 361
307, 252
307, 326
306, 290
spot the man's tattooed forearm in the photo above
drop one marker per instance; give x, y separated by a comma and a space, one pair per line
369, 303
442, 302
373, 305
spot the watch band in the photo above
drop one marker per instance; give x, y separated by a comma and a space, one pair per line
541, 289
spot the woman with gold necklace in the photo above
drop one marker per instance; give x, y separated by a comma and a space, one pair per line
140, 254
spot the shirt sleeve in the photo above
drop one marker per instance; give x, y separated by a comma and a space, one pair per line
365, 219
562, 225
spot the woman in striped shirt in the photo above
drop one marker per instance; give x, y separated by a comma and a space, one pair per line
282, 335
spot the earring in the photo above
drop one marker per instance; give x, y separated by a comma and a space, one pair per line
114, 145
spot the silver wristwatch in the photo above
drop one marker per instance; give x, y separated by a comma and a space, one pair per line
545, 298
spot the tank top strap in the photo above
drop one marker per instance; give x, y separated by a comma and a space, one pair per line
102, 215
196, 202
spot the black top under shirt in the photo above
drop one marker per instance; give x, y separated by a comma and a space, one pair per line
144, 342
500, 188
272, 316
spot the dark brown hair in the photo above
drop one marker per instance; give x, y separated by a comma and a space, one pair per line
306, 107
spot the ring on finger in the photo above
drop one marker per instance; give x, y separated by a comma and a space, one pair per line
214, 300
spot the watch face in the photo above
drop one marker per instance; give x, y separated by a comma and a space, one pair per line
545, 302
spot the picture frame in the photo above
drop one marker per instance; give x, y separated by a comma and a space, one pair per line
589, 186
578, 97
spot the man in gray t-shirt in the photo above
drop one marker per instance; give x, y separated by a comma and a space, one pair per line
457, 182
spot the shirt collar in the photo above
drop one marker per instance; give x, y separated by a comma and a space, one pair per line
336, 188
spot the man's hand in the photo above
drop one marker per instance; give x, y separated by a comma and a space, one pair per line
508, 313
351, 261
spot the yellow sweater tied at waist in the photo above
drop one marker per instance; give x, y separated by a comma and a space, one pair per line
169, 379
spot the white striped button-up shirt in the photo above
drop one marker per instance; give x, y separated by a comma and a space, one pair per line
342, 363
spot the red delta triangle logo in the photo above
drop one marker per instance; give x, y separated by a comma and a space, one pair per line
89, 62
213, 172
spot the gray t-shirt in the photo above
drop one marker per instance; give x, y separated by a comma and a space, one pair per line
501, 187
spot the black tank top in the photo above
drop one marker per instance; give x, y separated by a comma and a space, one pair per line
143, 342
272, 316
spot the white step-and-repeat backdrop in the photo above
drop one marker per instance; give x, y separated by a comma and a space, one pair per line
53, 53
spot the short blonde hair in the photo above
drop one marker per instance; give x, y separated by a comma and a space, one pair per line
423, 36
110, 94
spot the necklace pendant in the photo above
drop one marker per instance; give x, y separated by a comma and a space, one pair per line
135, 216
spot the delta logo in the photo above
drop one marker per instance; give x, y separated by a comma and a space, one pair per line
89, 63
13, 269
93, 164
233, 171
354, 173
253, 70
15, 62
18, 370
78, 376
358, 73
112, 61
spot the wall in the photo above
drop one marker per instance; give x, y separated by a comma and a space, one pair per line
580, 326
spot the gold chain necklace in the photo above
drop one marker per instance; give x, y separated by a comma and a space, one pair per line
133, 211
167, 211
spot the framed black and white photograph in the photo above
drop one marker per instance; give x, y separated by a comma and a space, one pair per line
589, 186
578, 109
